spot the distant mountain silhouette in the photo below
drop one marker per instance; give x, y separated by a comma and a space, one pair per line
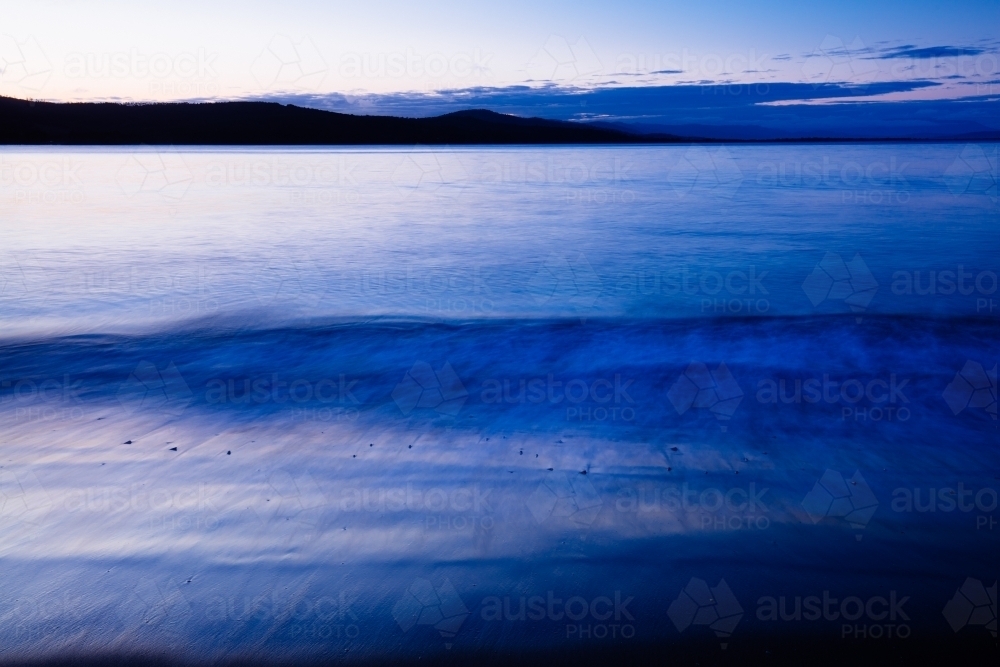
270, 123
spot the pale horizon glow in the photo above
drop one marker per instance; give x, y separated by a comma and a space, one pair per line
76, 51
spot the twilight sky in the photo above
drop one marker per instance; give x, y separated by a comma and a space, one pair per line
372, 53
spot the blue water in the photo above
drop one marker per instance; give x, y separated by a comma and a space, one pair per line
507, 372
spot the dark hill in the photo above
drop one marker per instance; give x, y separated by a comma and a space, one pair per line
269, 123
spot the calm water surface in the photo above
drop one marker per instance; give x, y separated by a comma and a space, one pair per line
317, 402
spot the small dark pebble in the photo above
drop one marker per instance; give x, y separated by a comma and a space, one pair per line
409, 446
673, 449
549, 469
583, 472
371, 444
354, 456
521, 453
229, 452
669, 468
128, 442
173, 449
